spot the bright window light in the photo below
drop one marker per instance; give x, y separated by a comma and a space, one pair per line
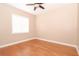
20, 24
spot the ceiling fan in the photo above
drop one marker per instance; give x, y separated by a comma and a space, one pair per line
36, 5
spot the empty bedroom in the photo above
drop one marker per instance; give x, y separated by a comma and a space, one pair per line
39, 29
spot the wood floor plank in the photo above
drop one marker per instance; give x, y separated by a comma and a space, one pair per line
38, 48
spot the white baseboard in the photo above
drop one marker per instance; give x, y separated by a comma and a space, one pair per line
52, 41
9, 44
77, 49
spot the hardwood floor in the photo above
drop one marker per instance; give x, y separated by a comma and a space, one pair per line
38, 48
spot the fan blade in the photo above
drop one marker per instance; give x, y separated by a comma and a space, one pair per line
30, 4
38, 3
41, 7
35, 8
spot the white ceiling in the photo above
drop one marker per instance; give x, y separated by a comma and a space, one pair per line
38, 11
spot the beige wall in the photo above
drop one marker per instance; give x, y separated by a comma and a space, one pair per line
5, 25
78, 28
59, 24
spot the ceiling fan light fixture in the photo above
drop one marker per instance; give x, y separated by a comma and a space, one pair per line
36, 5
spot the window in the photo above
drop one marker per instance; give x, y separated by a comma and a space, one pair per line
20, 24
